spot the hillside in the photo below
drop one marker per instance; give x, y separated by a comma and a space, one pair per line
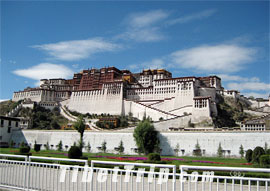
230, 112
7, 106
39, 117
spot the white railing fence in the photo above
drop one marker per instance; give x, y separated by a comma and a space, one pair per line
27, 173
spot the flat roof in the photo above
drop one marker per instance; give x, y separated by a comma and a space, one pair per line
9, 118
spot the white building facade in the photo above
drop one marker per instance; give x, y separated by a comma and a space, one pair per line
152, 93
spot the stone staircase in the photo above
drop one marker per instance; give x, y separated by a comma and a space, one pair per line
158, 110
70, 117
15, 111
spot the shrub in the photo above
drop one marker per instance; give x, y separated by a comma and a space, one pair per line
60, 146
121, 147
11, 145
267, 152
47, 146
190, 124
197, 151
22, 144
219, 151
241, 151
88, 147
24, 150
154, 157
74, 152
258, 151
249, 155
104, 147
37, 147
265, 160
177, 149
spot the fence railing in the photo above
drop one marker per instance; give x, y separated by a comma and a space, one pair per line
118, 176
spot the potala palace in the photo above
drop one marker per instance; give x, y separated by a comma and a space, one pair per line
153, 93
178, 101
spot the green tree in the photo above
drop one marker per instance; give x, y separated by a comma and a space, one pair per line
104, 146
241, 151
54, 125
219, 151
79, 125
121, 147
60, 146
146, 137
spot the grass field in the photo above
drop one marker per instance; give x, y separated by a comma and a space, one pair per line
182, 160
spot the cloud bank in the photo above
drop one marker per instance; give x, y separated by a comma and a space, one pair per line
216, 58
77, 49
195, 16
147, 26
45, 71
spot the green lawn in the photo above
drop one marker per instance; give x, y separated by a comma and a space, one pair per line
187, 160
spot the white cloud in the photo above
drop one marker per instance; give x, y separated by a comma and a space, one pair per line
255, 86
149, 34
77, 49
153, 64
45, 71
226, 78
140, 20
218, 58
257, 95
248, 86
144, 27
196, 16
2, 100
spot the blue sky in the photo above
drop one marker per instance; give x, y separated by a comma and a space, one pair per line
55, 39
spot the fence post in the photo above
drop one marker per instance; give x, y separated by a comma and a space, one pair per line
174, 178
181, 179
25, 174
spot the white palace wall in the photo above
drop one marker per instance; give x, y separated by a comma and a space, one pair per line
208, 141
35, 95
97, 101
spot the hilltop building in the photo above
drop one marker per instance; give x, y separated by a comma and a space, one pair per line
153, 93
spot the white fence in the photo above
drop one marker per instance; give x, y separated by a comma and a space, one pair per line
26, 174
